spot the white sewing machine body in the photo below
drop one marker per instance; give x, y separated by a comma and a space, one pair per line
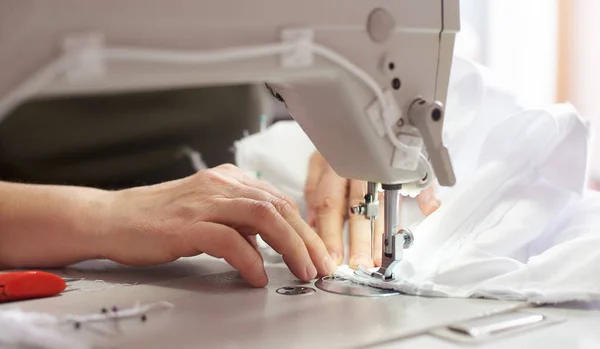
135, 45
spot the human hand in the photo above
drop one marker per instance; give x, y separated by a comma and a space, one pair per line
329, 197
216, 211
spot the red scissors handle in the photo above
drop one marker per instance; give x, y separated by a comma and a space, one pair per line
29, 284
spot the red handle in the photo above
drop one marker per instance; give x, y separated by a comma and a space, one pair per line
29, 284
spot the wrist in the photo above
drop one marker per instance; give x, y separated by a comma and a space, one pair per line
91, 224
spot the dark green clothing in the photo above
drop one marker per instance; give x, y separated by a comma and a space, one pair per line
124, 140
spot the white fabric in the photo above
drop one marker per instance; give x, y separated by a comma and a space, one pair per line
21, 329
518, 224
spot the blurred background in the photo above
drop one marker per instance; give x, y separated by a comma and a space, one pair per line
548, 51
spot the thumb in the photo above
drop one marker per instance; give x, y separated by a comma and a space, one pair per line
428, 202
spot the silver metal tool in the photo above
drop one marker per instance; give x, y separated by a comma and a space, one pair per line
495, 326
490, 325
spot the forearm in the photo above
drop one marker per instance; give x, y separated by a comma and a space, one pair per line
49, 226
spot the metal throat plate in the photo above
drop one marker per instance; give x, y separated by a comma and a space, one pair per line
346, 287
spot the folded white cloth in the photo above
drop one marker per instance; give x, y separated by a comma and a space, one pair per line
518, 224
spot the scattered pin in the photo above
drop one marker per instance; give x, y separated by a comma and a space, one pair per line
114, 314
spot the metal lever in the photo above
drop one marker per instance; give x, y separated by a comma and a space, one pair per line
429, 120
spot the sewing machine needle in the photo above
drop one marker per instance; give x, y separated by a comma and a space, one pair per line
372, 234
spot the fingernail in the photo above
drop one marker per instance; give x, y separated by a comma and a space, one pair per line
365, 262
434, 207
264, 280
329, 266
336, 259
311, 271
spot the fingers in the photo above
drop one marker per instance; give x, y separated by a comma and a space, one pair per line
224, 242
316, 166
314, 245
359, 228
428, 202
331, 205
277, 219
264, 217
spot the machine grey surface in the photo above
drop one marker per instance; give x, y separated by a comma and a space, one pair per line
220, 310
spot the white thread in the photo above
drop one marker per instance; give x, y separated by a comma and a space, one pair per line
195, 158
105, 286
197, 57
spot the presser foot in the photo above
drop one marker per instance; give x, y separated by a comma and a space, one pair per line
351, 288
403, 239
383, 273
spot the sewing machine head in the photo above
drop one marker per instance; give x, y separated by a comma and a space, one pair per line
366, 80
380, 120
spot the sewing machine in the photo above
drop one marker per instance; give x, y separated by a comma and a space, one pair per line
366, 81
393, 119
